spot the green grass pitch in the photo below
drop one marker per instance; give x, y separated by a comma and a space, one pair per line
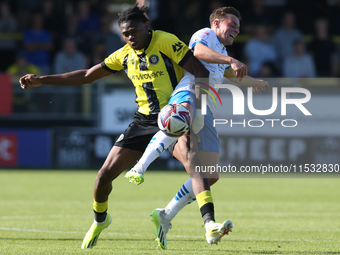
49, 212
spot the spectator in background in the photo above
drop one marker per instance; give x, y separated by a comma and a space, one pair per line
299, 64
67, 60
98, 53
267, 70
72, 31
333, 14
8, 26
259, 50
98, 6
323, 50
22, 101
21, 66
111, 40
162, 14
38, 44
307, 11
54, 21
29, 6
24, 10
285, 36
88, 23
257, 14
190, 19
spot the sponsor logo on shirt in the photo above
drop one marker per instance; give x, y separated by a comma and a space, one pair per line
205, 36
146, 76
177, 46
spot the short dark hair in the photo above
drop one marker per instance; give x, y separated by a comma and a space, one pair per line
133, 13
221, 12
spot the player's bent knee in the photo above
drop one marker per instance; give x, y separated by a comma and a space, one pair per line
213, 180
104, 177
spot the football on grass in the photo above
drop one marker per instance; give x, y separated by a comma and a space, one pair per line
174, 119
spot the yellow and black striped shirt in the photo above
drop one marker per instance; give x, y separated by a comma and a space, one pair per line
154, 71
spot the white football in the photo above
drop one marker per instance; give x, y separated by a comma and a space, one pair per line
174, 119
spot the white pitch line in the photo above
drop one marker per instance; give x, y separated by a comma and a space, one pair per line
261, 239
39, 230
325, 214
60, 216
42, 216
171, 236
238, 215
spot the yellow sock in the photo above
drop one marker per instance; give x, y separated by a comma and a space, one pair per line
204, 198
100, 207
206, 205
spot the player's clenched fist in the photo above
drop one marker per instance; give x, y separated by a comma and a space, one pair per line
29, 80
240, 69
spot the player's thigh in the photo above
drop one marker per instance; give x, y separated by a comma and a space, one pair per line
118, 160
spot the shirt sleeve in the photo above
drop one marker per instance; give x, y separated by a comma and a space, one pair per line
114, 62
204, 36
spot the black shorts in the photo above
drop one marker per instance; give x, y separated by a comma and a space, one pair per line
139, 133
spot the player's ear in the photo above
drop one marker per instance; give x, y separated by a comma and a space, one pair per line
216, 23
146, 25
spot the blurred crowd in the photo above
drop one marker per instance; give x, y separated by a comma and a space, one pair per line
279, 38
51, 36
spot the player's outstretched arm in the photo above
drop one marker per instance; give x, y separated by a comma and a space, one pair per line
209, 55
248, 81
195, 67
77, 77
